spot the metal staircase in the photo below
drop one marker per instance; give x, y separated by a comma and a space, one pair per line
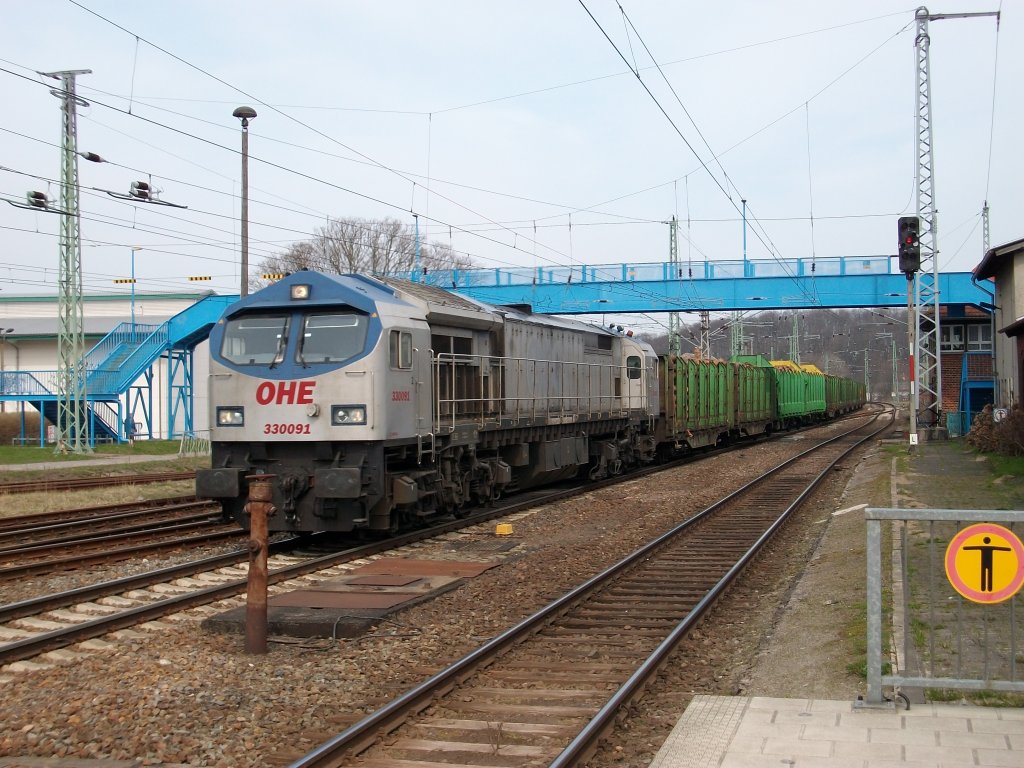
117, 364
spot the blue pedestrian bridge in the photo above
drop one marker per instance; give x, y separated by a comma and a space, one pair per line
846, 281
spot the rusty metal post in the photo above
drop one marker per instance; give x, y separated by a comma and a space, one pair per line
259, 508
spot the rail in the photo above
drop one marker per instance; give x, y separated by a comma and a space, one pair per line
694, 587
960, 644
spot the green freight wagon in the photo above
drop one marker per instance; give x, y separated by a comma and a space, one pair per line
756, 401
842, 395
697, 401
792, 392
814, 389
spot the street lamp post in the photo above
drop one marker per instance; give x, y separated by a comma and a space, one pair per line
3, 376
245, 114
134, 249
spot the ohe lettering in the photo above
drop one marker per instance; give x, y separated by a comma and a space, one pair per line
285, 392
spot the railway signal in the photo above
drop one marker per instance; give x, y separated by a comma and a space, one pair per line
910, 244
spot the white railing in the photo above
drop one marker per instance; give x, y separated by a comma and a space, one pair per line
195, 444
482, 389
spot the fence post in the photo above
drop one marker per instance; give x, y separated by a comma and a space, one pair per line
874, 610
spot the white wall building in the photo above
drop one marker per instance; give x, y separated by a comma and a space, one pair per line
28, 343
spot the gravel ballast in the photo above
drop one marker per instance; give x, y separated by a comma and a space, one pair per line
171, 693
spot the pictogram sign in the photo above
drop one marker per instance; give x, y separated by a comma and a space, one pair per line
985, 563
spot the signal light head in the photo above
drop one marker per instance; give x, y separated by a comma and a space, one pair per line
910, 244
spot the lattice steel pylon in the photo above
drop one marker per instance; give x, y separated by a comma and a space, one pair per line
72, 422
704, 350
927, 397
673, 260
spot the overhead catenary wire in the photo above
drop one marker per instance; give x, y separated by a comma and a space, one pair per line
562, 205
759, 231
992, 114
576, 221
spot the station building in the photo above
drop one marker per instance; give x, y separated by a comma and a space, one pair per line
1004, 264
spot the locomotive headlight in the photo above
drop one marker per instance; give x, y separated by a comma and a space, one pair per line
230, 416
348, 414
300, 291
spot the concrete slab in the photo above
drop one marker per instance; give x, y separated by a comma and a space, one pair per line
719, 731
350, 605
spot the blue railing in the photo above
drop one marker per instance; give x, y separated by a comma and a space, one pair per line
654, 271
28, 383
126, 362
124, 333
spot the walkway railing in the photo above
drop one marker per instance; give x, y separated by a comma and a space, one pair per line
940, 639
646, 271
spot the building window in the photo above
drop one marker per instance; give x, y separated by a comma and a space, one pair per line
952, 338
979, 338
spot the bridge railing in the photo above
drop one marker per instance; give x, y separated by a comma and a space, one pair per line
655, 271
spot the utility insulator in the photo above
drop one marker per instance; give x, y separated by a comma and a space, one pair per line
37, 200
92, 157
124, 280
200, 277
140, 190
274, 275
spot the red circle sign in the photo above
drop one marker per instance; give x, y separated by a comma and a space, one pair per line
985, 563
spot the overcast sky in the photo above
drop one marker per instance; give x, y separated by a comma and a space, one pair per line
499, 123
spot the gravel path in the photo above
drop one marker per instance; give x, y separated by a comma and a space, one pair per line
170, 693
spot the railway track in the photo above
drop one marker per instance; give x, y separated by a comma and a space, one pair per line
31, 550
83, 483
42, 624
545, 691
21, 523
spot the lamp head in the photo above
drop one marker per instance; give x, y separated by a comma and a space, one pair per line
245, 114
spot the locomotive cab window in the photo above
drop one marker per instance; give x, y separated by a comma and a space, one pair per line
331, 338
255, 339
633, 367
400, 350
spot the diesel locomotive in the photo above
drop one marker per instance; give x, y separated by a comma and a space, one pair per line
375, 403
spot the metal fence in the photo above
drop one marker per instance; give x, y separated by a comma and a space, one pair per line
935, 636
195, 443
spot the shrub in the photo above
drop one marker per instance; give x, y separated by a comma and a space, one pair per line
1005, 437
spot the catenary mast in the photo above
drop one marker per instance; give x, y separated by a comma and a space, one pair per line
72, 422
927, 399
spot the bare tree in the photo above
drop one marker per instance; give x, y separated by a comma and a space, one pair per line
366, 246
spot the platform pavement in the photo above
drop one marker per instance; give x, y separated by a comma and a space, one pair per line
759, 732
763, 732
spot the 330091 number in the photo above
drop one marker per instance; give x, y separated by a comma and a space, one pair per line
286, 429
